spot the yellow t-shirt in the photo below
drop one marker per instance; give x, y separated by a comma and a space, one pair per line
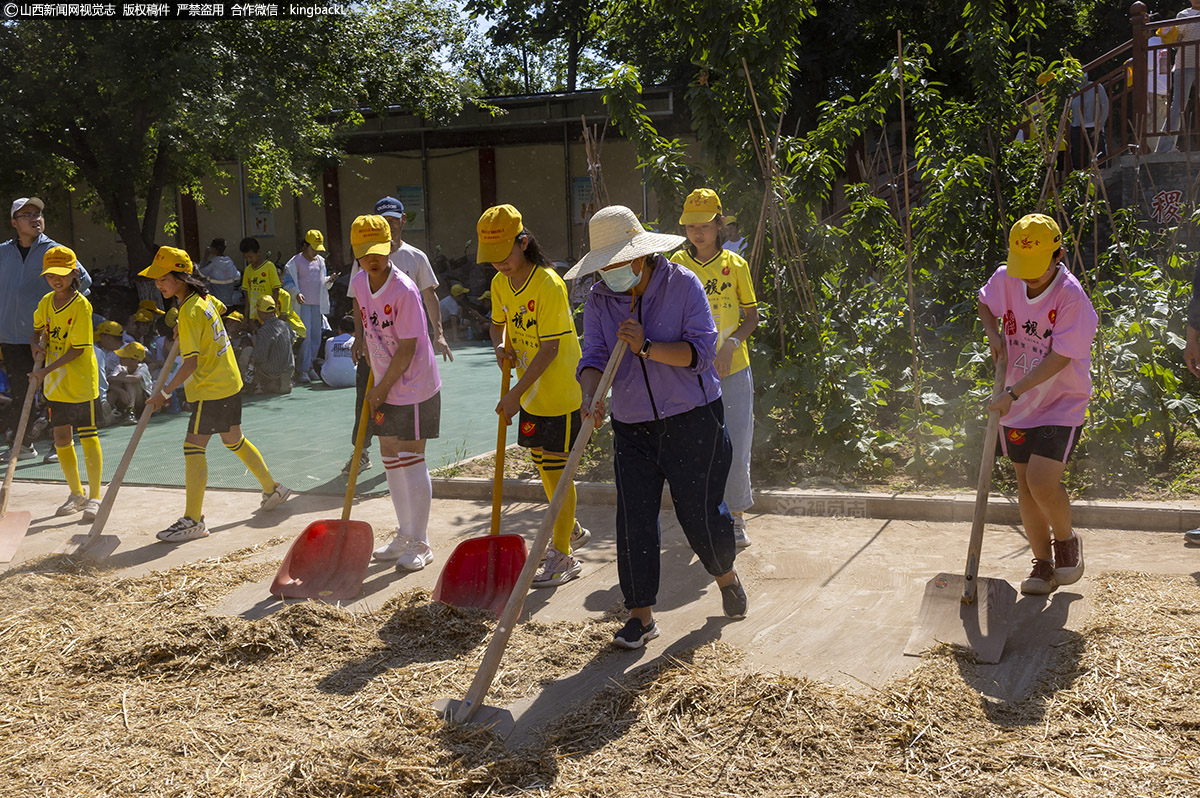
726, 281
534, 312
68, 328
288, 314
258, 281
202, 335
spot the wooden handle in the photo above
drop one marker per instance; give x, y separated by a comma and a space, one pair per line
364, 418
114, 485
516, 600
501, 444
19, 437
982, 489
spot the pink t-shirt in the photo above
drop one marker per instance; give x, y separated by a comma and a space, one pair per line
1061, 319
391, 314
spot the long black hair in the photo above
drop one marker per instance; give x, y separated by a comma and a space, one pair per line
194, 282
533, 251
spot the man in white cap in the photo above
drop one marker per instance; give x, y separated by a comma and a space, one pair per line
306, 271
21, 288
414, 263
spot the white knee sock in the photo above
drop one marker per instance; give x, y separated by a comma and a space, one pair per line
398, 489
412, 493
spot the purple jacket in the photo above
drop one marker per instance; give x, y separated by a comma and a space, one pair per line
674, 308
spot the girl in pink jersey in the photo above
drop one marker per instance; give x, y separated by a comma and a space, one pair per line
1046, 341
406, 400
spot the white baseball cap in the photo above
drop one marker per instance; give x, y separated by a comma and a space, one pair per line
23, 201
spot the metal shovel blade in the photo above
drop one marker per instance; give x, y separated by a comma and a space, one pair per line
501, 721
981, 625
13, 527
95, 547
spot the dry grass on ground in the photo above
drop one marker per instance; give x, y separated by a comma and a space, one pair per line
120, 686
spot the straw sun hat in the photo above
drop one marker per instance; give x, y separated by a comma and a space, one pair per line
615, 236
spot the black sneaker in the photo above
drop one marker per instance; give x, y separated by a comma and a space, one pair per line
733, 597
364, 462
634, 635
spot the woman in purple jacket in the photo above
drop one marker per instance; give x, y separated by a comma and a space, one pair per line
668, 421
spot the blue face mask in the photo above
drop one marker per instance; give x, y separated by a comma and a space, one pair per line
620, 279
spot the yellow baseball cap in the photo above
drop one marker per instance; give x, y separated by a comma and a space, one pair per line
143, 315
731, 218
167, 260
1033, 239
132, 349
315, 240
496, 231
108, 328
484, 295
152, 306
172, 317
60, 261
266, 303
458, 289
235, 316
701, 206
370, 235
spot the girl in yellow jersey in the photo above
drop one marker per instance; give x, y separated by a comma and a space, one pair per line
532, 328
72, 378
726, 280
214, 386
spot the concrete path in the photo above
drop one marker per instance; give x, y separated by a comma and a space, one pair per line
833, 599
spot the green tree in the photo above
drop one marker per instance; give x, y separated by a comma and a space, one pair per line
135, 109
531, 27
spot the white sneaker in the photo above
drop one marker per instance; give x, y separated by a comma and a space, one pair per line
416, 555
74, 504
557, 568
91, 509
740, 539
579, 536
272, 500
25, 453
183, 530
391, 552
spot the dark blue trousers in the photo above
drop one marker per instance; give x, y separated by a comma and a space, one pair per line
691, 451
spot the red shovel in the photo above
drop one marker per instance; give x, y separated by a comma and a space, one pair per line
329, 560
481, 572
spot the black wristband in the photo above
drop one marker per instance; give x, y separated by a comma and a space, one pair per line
1012, 393
645, 350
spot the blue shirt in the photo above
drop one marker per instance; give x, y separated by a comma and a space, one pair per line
22, 287
674, 308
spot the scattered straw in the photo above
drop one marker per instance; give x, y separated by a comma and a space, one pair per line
126, 686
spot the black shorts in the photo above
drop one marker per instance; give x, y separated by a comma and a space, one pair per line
551, 433
409, 422
74, 414
214, 416
1053, 443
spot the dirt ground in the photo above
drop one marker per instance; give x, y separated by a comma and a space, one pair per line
168, 671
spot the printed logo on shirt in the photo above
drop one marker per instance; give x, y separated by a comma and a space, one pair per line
725, 271
1052, 315
529, 307
379, 418
1016, 436
387, 310
528, 428
1010, 323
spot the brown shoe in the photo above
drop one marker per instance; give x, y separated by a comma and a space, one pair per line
1040, 581
1068, 560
